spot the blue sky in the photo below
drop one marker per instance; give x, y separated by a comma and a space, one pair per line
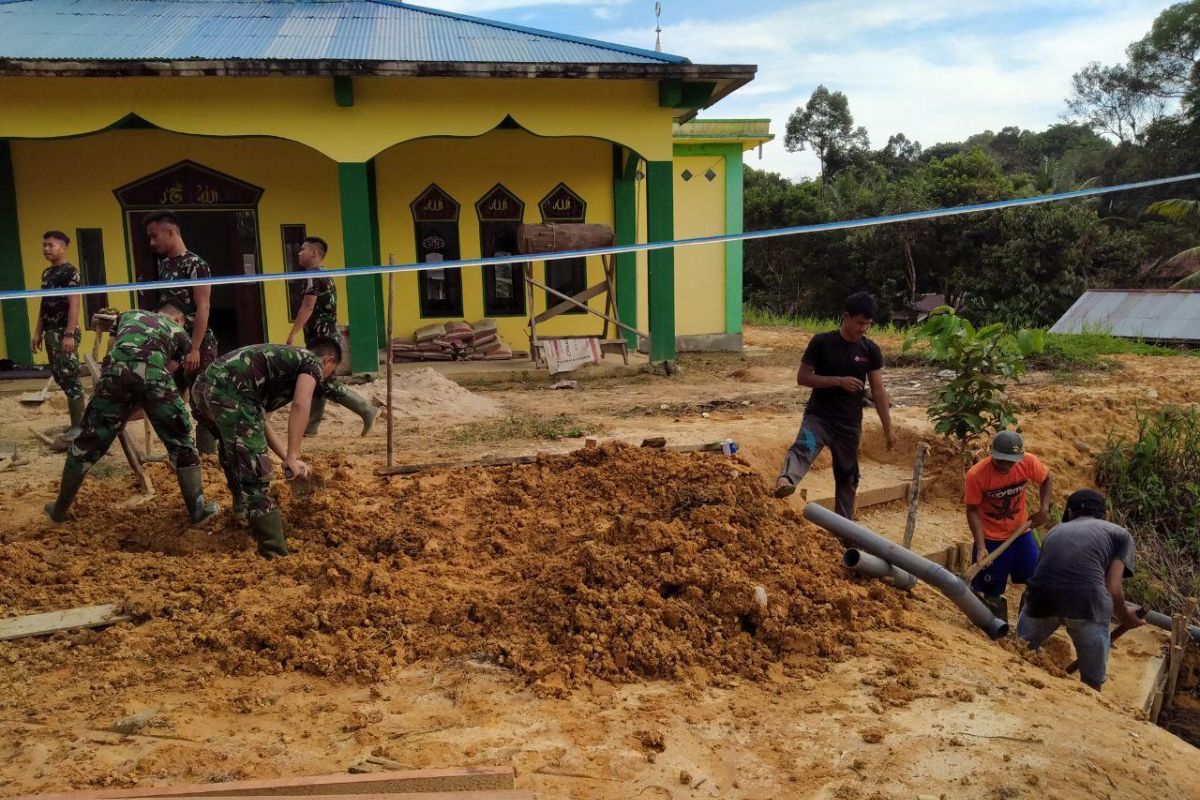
937, 71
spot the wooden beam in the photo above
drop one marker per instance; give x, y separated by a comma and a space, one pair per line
371, 786
873, 497
559, 294
567, 305
411, 469
54, 621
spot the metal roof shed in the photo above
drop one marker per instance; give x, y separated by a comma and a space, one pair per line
1167, 315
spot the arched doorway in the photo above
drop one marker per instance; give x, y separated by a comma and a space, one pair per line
218, 218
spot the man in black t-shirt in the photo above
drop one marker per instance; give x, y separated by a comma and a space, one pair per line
837, 366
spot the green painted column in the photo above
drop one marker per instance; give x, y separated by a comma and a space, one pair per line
660, 227
358, 242
734, 196
12, 271
625, 232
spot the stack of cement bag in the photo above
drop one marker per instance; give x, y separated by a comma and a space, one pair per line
453, 341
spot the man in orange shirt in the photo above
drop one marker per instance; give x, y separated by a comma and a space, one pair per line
996, 510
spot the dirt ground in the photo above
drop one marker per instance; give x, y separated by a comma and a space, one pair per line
614, 623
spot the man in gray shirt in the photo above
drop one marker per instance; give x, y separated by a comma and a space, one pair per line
1077, 584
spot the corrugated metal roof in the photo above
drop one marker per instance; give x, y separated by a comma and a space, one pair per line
317, 30
1172, 315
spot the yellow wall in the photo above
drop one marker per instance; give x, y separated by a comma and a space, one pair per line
700, 269
385, 111
528, 166
68, 184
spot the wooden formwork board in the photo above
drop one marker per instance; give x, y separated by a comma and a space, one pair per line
54, 621
373, 785
872, 497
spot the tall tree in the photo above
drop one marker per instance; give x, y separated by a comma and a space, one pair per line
826, 125
1169, 55
1118, 100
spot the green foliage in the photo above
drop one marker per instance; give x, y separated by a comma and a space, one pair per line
524, 426
1176, 210
1190, 282
826, 126
974, 402
1153, 486
1087, 350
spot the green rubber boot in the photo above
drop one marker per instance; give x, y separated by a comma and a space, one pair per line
72, 479
366, 410
267, 530
315, 412
191, 485
75, 407
206, 443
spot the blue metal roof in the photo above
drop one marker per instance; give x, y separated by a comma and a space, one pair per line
317, 30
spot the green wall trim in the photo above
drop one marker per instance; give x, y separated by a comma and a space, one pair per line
625, 232
734, 221
660, 227
377, 258
12, 270
358, 242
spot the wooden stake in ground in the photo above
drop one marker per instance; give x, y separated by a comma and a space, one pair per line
914, 489
1179, 642
391, 459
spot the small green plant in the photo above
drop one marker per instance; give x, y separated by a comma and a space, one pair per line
1153, 486
524, 426
974, 402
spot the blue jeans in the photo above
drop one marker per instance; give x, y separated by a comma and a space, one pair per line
1092, 641
1017, 564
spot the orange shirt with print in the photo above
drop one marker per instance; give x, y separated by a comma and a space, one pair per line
1001, 496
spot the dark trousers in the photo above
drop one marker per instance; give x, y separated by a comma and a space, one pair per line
842, 442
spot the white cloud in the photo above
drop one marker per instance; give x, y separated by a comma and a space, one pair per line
936, 71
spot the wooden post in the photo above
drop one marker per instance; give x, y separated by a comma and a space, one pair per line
914, 490
1177, 648
390, 358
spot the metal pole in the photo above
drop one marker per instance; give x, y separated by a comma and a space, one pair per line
388, 370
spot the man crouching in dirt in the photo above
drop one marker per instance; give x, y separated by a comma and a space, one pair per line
996, 511
837, 365
1077, 583
231, 399
140, 372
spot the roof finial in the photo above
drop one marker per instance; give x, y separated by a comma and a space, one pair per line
657, 27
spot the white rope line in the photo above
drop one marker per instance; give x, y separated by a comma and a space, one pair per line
383, 269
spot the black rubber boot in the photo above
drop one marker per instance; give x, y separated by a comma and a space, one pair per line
72, 479
998, 605
366, 410
315, 412
206, 443
191, 485
267, 530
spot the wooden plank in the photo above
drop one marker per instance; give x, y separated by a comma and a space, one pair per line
567, 305
914, 496
411, 469
588, 309
873, 497
53, 621
464, 794
371, 786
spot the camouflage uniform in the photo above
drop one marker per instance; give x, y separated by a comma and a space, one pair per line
182, 268
231, 397
135, 374
323, 324
53, 314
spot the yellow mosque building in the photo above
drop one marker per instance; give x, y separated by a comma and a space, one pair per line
381, 127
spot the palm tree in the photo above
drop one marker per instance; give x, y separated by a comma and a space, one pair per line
1180, 210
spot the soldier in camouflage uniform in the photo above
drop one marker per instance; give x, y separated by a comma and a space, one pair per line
58, 326
317, 317
140, 371
177, 263
232, 398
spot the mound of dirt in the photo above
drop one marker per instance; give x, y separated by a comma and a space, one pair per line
418, 396
616, 562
